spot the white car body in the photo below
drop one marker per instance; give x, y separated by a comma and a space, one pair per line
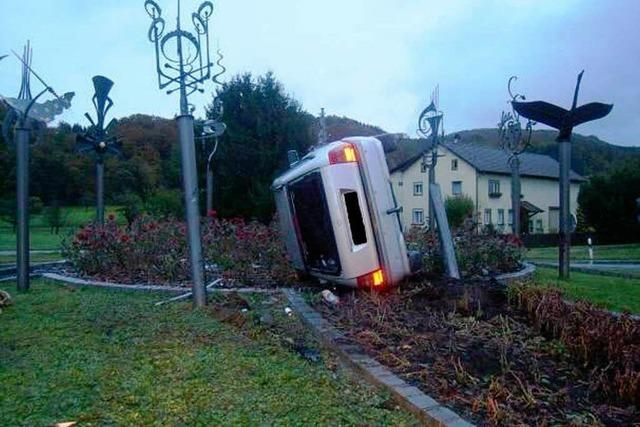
339, 217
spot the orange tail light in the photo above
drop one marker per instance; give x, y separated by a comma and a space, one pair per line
345, 153
375, 279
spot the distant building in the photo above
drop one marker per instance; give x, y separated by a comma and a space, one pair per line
482, 173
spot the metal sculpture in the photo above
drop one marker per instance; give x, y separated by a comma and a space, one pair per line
514, 140
97, 140
564, 121
213, 129
186, 67
429, 125
24, 115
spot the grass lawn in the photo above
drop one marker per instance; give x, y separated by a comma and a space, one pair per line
40, 233
629, 252
612, 293
34, 258
113, 358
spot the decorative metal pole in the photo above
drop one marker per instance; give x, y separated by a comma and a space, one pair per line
429, 125
213, 128
185, 69
323, 136
96, 140
25, 114
564, 121
514, 141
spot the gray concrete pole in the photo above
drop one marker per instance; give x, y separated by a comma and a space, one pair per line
515, 195
444, 232
22, 134
190, 186
565, 227
100, 191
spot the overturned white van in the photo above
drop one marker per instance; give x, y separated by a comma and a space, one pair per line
339, 216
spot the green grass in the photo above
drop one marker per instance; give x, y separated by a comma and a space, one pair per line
109, 358
40, 235
34, 258
629, 252
611, 293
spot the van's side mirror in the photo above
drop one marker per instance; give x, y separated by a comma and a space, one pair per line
293, 157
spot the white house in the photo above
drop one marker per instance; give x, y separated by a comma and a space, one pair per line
482, 173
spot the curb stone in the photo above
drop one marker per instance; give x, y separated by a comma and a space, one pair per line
589, 270
77, 282
428, 410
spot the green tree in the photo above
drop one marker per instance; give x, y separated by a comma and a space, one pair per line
608, 201
263, 123
458, 209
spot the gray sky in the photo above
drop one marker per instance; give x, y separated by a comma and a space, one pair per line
375, 61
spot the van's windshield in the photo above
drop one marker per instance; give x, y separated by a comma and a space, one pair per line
313, 224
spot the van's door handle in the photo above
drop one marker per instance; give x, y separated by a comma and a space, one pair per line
394, 210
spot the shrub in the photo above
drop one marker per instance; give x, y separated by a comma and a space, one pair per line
477, 253
155, 251
130, 206
458, 209
607, 345
164, 203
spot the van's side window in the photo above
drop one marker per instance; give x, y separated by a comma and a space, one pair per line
354, 214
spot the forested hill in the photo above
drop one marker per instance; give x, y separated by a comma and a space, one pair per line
590, 155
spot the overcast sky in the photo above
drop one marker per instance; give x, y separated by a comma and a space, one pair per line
375, 61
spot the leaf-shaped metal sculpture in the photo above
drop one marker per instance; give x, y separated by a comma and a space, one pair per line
97, 140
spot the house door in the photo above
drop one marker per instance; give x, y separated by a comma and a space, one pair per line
554, 219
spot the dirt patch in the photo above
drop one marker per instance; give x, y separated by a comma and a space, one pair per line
465, 345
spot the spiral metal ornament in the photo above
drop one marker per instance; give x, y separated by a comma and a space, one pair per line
513, 138
183, 61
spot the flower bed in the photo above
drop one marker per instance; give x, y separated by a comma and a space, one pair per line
526, 359
478, 254
152, 251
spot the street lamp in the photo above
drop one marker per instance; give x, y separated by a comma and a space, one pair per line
564, 121
96, 140
514, 140
183, 64
24, 114
212, 129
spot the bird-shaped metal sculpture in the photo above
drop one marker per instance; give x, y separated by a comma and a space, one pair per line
558, 117
564, 121
97, 139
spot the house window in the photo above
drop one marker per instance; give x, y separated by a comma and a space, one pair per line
423, 167
417, 189
500, 216
510, 216
454, 164
399, 183
487, 216
539, 226
494, 188
456, 188
531, 227
417, 216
